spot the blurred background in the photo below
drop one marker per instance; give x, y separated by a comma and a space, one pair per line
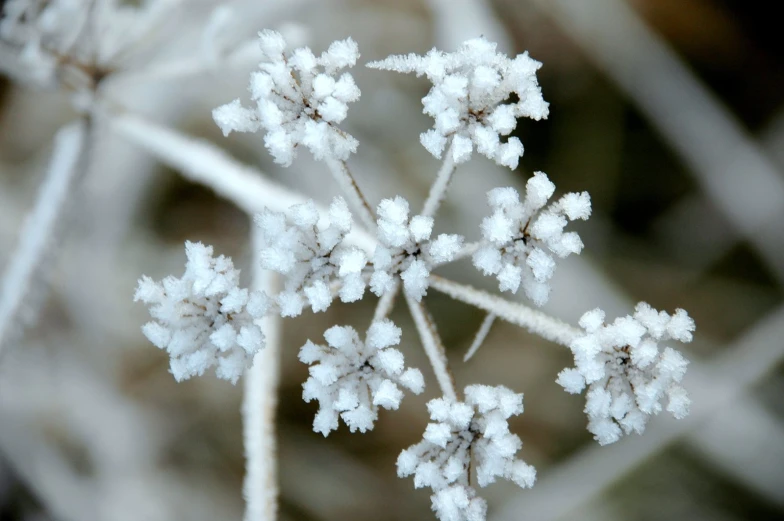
668, 112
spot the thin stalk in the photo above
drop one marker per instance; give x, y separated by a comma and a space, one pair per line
434, 348
386, 303
440, 186
260, 488
481, 335
349, 186
41, 227
537, 322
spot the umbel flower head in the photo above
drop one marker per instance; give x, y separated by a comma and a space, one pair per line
520, 238
626, 373
351, 379
311, 258
405, 250
471, 99
479, 427
298, 100
204, 319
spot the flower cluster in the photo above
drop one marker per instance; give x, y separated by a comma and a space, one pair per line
519, 238
352, 379
405, 250
626, 373
470, 99
297, 103
477, 427
311, 258
204, 318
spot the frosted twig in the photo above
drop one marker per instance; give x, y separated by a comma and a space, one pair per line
204, 163
260, 488
479, 339
348, 185
41, 227
433, 346
440, 185
537, 322
386, 303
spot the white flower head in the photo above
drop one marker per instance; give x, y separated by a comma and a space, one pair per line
299, 100
520, 239
311, 258
471, 99
351, 379
204, 318
405, 250
478, 428
625, 371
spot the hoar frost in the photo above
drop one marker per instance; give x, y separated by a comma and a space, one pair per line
626, 373
351, 379
405, 250
520, 238
204, 318
475, 429
470, 99
311, 258
298, 100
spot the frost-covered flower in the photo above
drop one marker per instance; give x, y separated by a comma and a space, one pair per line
626, 373
519, 238
352, 379
475, 428
405, 250
298, 100
204, 318
311, 258
470, 99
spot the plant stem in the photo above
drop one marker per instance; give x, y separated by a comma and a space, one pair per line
440, 186
434, 348
386, 303
349, 186
537, 322
41, 227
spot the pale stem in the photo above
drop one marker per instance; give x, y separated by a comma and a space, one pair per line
202, 162
440, 185
537, 322
349, 186
434, 348
386, 303
260, 488
41, 226
479, 339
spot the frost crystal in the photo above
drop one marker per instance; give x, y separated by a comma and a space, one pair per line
519, 238
204, 318
477, 427
405, 249
352, 379
298, 100
310, 258
626, 373
470, 99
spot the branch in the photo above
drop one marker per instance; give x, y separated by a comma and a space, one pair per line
440, 185
434, 348
260, 488
537, 322
202, 162
41, 226
349, 186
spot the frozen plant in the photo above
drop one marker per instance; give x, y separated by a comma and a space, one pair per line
476, 429
519, 239
626, 373
298, 100
204, 318
352, 379
405, 250
470, 99
311, 258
